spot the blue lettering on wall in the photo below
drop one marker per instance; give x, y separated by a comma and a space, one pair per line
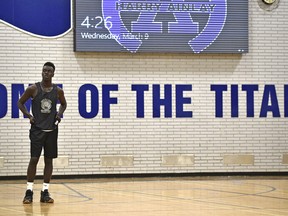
218, 99
234, 101
4, 101
269, 92
107, 100
250, 89
269, 100
82, 101
17, 91
180, 101
286, 100
269, 103
140, 99
166, 101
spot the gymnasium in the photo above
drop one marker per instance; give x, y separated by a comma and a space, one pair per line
169, 112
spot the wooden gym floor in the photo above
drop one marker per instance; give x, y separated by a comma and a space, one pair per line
187, 196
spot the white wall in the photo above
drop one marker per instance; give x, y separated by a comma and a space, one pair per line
126, 144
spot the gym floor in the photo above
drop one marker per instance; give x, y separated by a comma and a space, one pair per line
173, 196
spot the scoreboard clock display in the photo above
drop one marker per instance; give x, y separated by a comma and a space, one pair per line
181, 26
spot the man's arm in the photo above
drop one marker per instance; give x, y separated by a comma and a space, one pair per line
63, 104
29, 93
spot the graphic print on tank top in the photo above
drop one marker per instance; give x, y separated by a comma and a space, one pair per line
46, 105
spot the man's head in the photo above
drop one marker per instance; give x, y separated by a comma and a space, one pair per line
49, 64
48, 71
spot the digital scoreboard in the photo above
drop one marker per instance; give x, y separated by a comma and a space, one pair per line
180, 26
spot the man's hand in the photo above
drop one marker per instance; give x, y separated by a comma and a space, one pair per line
58, 119
32, 119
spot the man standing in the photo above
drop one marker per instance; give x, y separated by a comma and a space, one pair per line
44, 128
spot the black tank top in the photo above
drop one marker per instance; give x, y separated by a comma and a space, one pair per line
44, 108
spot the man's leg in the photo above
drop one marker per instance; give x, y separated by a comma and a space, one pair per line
48, 169
31, 173
32, 167
50, 152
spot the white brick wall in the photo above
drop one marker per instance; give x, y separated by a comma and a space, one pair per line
148, 140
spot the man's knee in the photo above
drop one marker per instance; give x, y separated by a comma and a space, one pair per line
48, 161
34, 161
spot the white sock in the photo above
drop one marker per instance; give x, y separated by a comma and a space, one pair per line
45, 186
30, 186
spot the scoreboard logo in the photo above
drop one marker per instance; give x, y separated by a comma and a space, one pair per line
136, 21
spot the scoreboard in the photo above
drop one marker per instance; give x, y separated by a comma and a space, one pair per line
178, 26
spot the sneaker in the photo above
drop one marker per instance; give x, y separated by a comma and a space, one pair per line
28, 197
45, 197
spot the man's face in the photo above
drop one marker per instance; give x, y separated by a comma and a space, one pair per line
47, 72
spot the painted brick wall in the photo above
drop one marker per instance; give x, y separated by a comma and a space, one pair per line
126, 144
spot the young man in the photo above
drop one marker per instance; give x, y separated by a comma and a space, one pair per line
44, 128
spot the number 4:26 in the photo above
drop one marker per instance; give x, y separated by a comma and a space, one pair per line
98, 21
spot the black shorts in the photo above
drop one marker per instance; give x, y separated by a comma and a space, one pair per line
47, 140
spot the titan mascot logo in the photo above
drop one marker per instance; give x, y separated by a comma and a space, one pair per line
41, 18
181, 10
